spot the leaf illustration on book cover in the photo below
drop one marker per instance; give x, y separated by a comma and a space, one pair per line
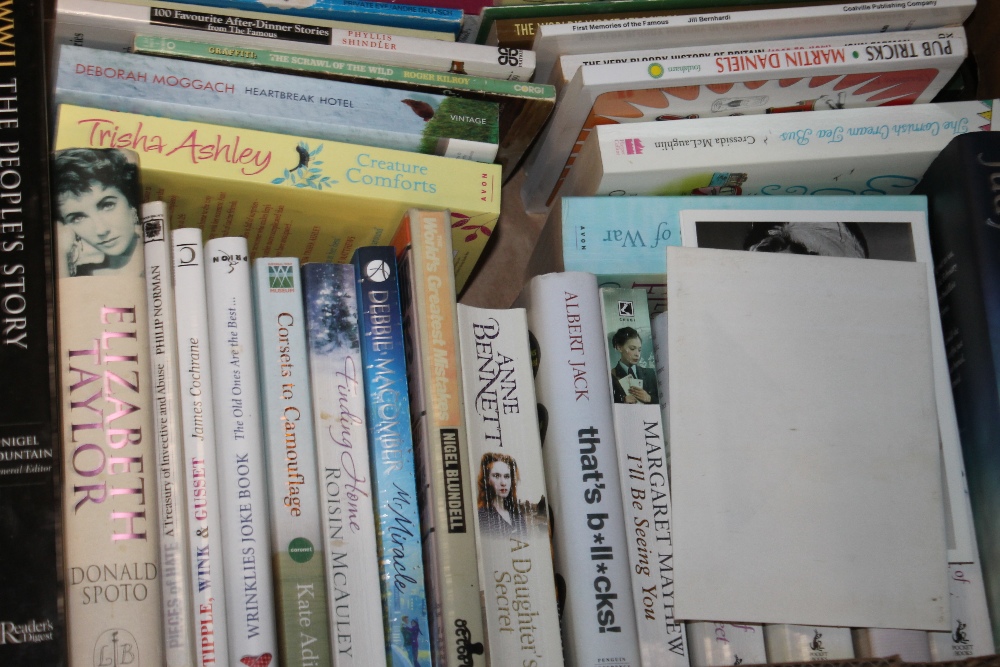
303, 175
262, 660
463, 221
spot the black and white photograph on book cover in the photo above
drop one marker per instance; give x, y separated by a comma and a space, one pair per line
630, 353
96, 195
831, 238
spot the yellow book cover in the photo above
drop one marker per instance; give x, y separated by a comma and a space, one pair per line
291, 195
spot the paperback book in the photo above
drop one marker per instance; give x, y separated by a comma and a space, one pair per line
960, 188
246, 524
749, 78
623, 241
716, 27
200, 459
533, 14
349, 554
857, 408
505, 459
642, 469
329, 110
29, 431
581, 470
523, 107
113, 25
874, 151
86, 23
970, 633
387, 412
111, 538
175, 541
290, 195
440, 441
292, 474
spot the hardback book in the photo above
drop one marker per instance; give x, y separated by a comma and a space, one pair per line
512, 510
349, 553
533, 14
200, 457
581, 470
970, 633
623, 241
909, 645
851, 455
716, 644
111, 25
29, 432
89, 23
387, 413
292, 472
239, 439
642, 469
171, 477
718, 27
524, 107
110, 518
762, 77
807, 643
328, 110
291, 195
440, 441
873, 151
371, 12
960, 187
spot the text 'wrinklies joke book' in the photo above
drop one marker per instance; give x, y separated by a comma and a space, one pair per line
246, 525
28, 431
110, 514
387, 409
293, 196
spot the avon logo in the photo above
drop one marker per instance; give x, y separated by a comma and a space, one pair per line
628, 147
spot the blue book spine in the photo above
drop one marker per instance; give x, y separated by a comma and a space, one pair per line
397, 514
439, 19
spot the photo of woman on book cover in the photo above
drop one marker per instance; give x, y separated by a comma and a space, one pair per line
499, 510
96, 204
631, 382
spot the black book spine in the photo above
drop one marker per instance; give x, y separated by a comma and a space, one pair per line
31, 632
963, 191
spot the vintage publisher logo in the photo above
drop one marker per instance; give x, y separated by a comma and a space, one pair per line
280, 277
231, 260
153, 229
116, 648
626, 309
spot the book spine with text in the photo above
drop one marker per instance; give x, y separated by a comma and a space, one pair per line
964, 223
246, 526
505, 459
114, 25
642, 469
111, 550
175, 571
970, 634
581, 471
387, 410
34, 630
440, 443
200, 460
332, 110
290, 450
349, 554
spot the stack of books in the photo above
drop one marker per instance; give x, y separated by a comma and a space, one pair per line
253, 316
